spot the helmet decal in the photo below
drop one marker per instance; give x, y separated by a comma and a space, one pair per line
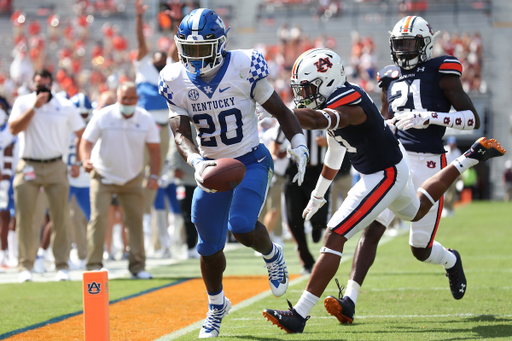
323, 65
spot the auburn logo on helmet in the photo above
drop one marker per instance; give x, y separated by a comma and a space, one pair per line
323, 65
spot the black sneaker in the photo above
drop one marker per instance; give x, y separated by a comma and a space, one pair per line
484, 149
288, 320
458, 284
342, 308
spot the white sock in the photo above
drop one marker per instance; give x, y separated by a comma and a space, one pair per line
41, 253
306, 303
352, 291
463, 163
272, 253
217, 298
440, 255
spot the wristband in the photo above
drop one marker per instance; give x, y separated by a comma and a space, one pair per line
154, 176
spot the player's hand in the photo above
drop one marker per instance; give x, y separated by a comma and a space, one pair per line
199, 165
416, 120
87, 164
313, 206
74, 171
262, 113
391, 124
301, 157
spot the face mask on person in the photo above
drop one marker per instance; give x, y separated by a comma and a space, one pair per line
127, 110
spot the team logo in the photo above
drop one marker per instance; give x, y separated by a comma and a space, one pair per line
193, 94
431, 164
434, 115
421, 69
430, 29
395, 74
458, 121
471, 122
446, 121
94, 288
323, 65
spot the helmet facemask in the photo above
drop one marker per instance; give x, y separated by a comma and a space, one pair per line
306, 94
200, 57
408, 52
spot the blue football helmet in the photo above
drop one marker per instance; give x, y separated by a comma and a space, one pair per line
201, 41
84, 105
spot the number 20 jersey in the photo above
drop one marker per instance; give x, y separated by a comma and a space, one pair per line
418, 90
222, 109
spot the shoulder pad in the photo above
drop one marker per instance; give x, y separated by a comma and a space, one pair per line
448, 65
253, 60
344, 95
387, 74
168, 74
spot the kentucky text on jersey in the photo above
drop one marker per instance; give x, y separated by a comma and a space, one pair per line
215, 104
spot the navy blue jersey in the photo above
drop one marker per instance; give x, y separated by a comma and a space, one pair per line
418, 89
371, 146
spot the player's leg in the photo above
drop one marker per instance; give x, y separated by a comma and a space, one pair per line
433, 188
210, 212
369, 197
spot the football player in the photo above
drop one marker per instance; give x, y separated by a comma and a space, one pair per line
418, 92
356, 127
217, 91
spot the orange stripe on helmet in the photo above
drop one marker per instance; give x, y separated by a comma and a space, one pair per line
297, 62
408, 20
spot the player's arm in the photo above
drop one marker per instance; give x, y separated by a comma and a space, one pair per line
140, 9
465, 118
182, 130
339, 117
384, 109
453, 91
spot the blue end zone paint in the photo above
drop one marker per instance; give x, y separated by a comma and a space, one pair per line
63, 317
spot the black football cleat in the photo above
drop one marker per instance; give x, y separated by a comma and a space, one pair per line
342, 308
484, 149
458, 284
288, 320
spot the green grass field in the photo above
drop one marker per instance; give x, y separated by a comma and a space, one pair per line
401, 298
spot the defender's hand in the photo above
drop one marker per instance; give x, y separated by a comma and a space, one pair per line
416, 120
313, 206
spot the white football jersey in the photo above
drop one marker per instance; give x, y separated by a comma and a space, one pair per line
222, 109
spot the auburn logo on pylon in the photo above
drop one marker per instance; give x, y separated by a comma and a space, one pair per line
94, 288
323, 65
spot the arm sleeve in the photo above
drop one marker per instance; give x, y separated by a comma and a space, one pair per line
92, 131
262, 91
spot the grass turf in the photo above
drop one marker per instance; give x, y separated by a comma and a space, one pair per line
401, 299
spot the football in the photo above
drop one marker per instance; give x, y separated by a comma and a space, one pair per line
225, 175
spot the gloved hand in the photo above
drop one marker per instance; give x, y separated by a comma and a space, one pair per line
301, 157
4, 193
262, 113
391, 124
416, 120
199, 165
313, 206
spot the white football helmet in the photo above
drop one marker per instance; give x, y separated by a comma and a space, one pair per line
412, 42
315, 75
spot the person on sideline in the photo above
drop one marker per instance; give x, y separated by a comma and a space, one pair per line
217, 90
121, 132
43, 123
356, 128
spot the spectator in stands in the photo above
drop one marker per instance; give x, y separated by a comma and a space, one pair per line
148, 69
123, 131
44, 122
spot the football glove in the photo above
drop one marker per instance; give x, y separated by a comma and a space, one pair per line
262, 113
391, 124
199, 165
301, 157
416, 120
313, 206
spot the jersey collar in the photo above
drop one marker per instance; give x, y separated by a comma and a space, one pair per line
209, 88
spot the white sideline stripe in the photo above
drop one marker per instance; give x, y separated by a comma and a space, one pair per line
258, 297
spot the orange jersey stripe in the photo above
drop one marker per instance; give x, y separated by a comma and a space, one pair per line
439, 208
344, 100
369, 202
451, 66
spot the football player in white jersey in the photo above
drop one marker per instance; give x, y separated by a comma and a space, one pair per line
217, 91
